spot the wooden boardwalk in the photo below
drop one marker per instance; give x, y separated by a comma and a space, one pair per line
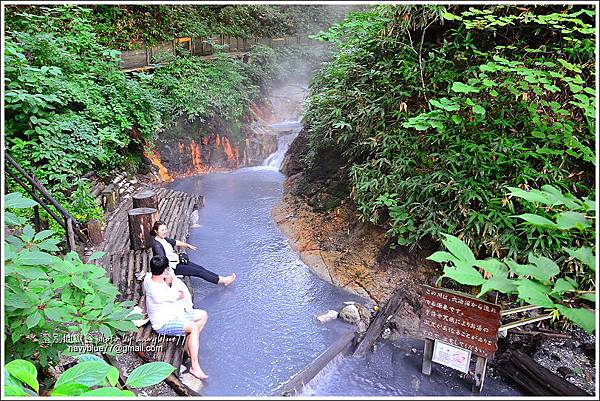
122, 265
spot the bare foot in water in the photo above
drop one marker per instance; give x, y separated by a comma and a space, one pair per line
198, 373
228, 279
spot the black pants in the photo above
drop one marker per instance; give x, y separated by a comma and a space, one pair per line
192, 269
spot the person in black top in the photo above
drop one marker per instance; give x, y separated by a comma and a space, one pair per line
164, 246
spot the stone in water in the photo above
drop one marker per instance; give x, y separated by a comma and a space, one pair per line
328, 316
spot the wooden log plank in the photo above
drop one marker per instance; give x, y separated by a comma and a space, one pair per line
130, 278
167, 214
123, 259
114, 276
534, 378
170, 352
178, 355
307, 374
376, 325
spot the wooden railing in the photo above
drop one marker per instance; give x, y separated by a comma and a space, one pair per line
41, 195
139, 60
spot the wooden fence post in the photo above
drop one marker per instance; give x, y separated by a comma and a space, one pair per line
70, 233
140, 223
427, 357
146, 198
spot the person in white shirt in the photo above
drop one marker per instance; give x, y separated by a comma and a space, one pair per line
170, 310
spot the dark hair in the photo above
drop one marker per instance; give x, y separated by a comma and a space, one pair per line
158, 264
156, 225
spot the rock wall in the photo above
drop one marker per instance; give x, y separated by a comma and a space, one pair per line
198, 147
322, 224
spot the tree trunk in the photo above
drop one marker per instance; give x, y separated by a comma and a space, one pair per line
140, 224
146, 198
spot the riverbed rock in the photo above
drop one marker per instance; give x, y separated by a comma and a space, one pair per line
350, 314
328, 316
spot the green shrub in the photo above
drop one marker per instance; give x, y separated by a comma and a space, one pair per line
47, 296
91, 377
435, 125
540, 281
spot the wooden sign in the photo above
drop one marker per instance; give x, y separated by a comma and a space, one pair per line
460, 320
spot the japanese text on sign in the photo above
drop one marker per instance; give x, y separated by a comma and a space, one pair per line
460, 320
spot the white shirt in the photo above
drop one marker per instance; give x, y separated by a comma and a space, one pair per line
186, 303
169, 253
162, 302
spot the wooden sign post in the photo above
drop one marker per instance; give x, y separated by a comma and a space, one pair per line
461, 321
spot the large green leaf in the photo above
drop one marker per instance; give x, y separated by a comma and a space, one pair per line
96, 255
445, 104
69, 389
459, 249
569, 219
582, 317
12, 220
499, 283
441, 257
536, 220
561, 286
108, 392
493, 266
534, 293
34, 258
25, 371
464, 88
149, 374
588, 296
90, 357
15, 200
31, 272
544, 269
113, 376
585, 255
57, 314
464, 274
33, 319
12, 390
88, 373
123, 325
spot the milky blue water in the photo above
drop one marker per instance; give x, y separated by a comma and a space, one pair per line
262, 329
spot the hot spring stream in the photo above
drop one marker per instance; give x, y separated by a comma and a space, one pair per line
262, 329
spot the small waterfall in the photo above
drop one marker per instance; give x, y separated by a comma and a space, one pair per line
274, 160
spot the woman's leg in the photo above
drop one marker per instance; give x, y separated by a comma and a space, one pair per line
192, 269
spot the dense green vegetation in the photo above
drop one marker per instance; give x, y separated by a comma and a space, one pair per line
47, 296
70, 110
131, 26
436, 114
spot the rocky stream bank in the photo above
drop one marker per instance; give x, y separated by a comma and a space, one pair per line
322, 226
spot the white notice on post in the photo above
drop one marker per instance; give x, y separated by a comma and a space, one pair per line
451, 356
